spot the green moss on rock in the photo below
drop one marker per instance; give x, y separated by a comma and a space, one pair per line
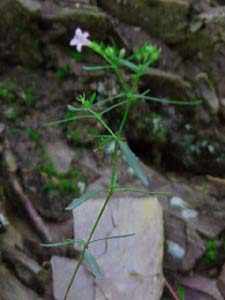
19, 37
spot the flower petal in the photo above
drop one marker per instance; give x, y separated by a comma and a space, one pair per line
86, 34
73, 42
78, 31
79, 47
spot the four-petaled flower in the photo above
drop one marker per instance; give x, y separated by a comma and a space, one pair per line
80, 39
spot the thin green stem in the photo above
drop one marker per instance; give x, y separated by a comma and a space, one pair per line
167, 101
87, 244
85, 247
69, 120
99, 118
115, 68
109, 99
113, 107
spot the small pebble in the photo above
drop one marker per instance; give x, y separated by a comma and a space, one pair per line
110, 148
130, 171
188, 214
178, 202
81, 186
3, 222
2, 128
175, 250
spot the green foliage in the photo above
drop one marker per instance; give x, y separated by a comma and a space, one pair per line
81, 130
11, 93
28, 97
159, 130
12, 113
63, 72
92, 264
33, 135
89, 259
77, 56
133, 162
62, 183
211, 253
146, 54
181, 292
128, 69
7, 91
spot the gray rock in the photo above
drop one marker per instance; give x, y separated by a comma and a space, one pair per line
27, 43
132, 266
207, 93
184, 245
184, 233
62, 271
2, 129
27, 270
221, 281
4, 223
204, 285
32, 6
168, 84
173, 16
222, 107
60, 155
12, 289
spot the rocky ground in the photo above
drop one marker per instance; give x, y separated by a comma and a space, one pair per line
179, 243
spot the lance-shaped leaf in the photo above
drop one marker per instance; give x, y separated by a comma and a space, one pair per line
129, 65
133, 162
92, 265
96, 68
65, 243
83, 198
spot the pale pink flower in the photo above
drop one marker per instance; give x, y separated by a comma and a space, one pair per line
80, 39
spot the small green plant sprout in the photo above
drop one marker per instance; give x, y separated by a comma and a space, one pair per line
128, 70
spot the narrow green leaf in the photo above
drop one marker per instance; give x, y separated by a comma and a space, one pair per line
92, 265
65, 243
83, 198
129, 65
168, 101
133, 162
96, 68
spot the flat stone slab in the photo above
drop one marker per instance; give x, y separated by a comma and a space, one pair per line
62, 271
132, 266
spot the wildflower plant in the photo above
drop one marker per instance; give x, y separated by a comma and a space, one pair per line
128, 70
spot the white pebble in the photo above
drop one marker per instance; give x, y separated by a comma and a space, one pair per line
81, 186
3, 221
130, 171
178, 202
188, 214
175, 250
110, 148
